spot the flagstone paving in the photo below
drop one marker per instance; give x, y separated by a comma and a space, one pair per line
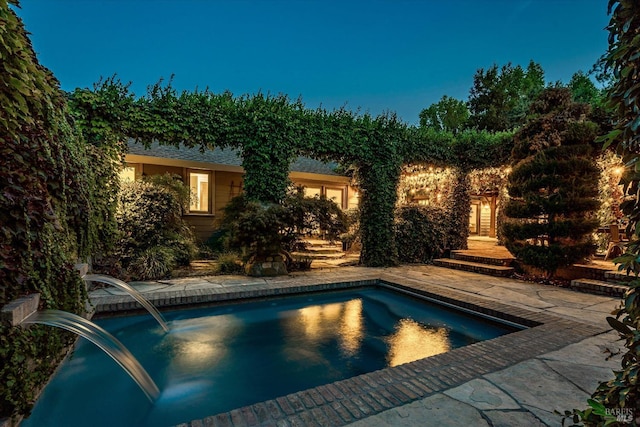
520, 383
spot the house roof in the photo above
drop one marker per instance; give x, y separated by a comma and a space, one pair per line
224, 156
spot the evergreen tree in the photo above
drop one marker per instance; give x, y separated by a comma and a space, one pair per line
553, 186
584, 90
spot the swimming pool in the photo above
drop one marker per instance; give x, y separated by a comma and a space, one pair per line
219, 358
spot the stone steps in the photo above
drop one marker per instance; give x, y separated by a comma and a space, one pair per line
599, 287
618, 276
318, 255
318, 249
475, 267
461, 255
323, 249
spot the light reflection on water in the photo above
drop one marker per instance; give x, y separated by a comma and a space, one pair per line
352, 327
317, 325
409, 341
412, 341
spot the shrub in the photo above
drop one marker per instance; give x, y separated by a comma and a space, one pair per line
153, 263
216, 241
229, 263
553, 187
260, 229
255, 229
421, 232
151, 227
305, 216
352, 235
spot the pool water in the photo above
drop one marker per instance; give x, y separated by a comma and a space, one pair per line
219, 358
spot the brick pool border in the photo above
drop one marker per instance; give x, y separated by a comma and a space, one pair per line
346, 401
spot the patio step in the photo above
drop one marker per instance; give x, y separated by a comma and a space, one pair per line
318, 255
475, 267
599, 287
618, 276
482, 259
318, 249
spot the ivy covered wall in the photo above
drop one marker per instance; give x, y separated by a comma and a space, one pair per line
56, 206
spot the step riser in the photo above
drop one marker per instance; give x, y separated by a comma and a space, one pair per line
599, 287
618, 276
505, 262
323, 251
317, 255
482, 269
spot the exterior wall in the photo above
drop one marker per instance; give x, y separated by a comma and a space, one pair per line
227, 186
202, 225
226, 182
148, 169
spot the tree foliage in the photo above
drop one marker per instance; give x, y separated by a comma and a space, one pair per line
553, 185
622, 61
500, 97
584, 91
448, 114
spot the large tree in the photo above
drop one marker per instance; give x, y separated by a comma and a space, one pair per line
584, 90
448, 114
553, 185
500, 97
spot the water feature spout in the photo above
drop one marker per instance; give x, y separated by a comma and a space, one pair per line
131, 291
103, 339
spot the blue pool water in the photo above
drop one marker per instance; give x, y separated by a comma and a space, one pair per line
219, 358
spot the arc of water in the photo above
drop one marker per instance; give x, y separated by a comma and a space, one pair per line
104, 340
131, 291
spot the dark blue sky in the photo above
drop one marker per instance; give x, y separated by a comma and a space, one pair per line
400, 55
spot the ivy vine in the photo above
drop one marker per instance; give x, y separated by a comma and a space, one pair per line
55, 208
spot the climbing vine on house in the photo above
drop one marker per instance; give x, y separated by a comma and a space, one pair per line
51, 210
270, 131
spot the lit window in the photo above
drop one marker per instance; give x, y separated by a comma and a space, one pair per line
199, 183
128, 174
335, 195
312, 191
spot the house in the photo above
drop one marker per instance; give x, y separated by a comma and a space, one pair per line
216, 176
430, 185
